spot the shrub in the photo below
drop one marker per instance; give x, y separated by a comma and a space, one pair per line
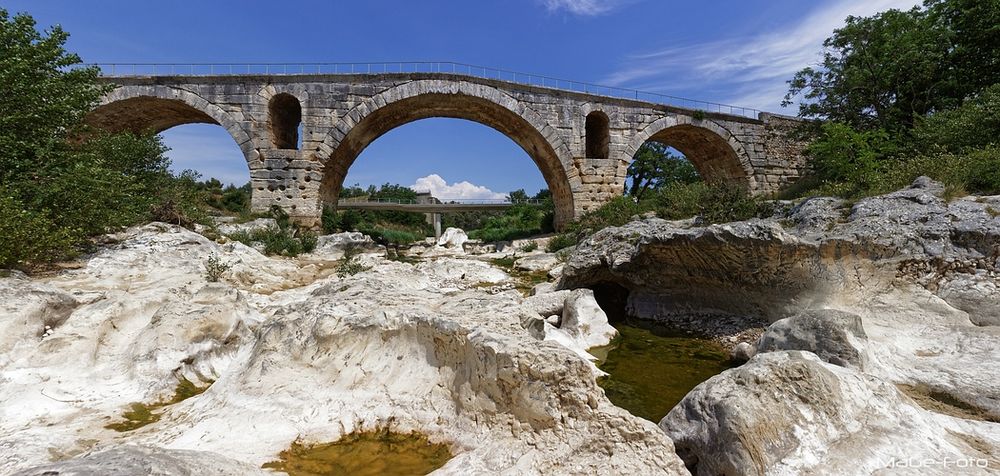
277, 240
529, 246
349, 264
215, 268
560, 242
29, 237
714, 203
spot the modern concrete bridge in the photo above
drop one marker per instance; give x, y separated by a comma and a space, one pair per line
433, 208
300, 127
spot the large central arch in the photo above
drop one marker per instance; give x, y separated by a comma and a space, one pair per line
478, 103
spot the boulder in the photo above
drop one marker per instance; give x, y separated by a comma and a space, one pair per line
547, 304
537, 262
835, 336
584, 319
742, 352
247, 227
453, 238
542, 288
976, 294
581, 325
334, 246
791, 413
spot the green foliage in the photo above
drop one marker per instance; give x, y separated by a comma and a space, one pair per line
28, 236
348, 265
973, 125
215, 268
561, 242
712, 203
847, 162
44, 97
879, 72
229, 199
62, 183
392, 238
529, 246
395, 225
653, 166
518, 221
907, 94
276, 240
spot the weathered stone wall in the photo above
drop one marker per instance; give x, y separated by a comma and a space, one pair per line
342, 114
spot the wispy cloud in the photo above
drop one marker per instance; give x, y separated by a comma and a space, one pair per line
440, 188
583, 7
752, 70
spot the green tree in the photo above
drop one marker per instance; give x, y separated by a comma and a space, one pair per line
653, 167
878, 72
60, 182
973, 28
518, 195
44, 97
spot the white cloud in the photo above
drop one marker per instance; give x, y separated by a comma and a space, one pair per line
583, 7
753, 68
439, 188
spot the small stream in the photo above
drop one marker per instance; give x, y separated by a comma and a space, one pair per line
652, 367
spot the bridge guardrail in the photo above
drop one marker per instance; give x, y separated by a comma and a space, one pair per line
443, 201
213, 69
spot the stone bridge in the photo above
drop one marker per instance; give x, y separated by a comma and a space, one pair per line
582, 143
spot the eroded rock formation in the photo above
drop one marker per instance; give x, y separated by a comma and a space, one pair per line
294, 352
894, 294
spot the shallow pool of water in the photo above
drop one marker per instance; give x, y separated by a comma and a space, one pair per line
652, 367
363, 454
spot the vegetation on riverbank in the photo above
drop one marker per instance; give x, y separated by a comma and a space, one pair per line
898, 95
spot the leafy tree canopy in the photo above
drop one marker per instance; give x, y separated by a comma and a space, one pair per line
886, 70
654, 167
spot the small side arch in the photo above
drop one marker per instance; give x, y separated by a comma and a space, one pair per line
597, 135
284, 116
712, 149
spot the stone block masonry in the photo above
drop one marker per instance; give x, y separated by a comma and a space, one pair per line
301, 133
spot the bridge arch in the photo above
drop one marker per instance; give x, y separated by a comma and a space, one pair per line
141, 108
712, 149
479, 103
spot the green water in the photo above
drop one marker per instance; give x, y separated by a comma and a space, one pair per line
651, 367
372, 453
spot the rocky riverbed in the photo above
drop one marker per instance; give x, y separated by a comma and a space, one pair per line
878, 348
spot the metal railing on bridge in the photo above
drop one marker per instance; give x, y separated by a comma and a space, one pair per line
213, 69
442, 201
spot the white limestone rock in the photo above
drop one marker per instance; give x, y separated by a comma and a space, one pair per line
334, 246
837, 337
132, 460
582, 324
789, 412
453, 238
246, 227
537, 262
418, 347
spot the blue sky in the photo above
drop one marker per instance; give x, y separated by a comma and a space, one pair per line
736, 52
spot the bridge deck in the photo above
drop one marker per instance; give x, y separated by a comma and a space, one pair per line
141, 70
